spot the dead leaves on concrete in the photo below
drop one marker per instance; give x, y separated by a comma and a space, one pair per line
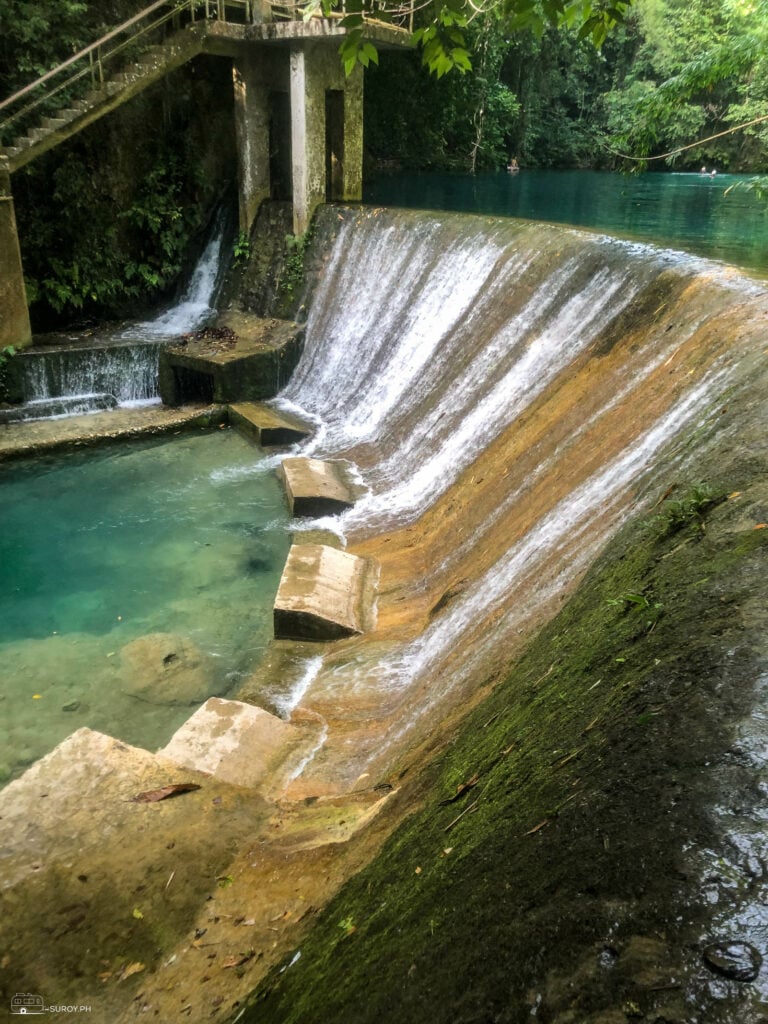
152, 796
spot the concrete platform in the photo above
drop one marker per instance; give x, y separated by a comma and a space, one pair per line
244, 358
317, 488
233, 741
325, 594
266, 426
24, 439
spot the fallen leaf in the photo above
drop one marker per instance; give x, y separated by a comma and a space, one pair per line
137, 914
151, 796
130, 969
418, 871
735, 494
462, 788
238, 959
537, 828
761, 526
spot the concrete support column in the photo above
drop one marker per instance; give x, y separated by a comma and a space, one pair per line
262, 12
14, 315
307, 135
315, 73
252, 135
353, 135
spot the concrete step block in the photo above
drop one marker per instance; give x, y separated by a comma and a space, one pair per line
317, 488
325, 594
52, 123
266, 426
235, 742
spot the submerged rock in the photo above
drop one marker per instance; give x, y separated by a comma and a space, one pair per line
739, 961
163, 668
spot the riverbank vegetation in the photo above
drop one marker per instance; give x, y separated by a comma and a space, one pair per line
672, 73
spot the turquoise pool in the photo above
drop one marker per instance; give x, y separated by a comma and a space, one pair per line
135, 581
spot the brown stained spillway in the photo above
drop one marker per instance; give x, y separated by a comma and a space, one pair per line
468, 572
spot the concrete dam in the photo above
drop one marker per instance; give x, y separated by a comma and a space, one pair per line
530, 786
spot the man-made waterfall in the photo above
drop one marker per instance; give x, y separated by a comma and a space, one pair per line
511, 395
588, 844
511, 392
122, 369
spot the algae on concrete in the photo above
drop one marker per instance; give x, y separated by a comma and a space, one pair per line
594, 824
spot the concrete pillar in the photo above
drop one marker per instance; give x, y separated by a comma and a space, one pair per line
307, 135
353, 135
252, 135
262, 12
315, 69
14, 315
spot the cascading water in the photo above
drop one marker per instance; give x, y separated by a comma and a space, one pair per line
510, 393
121, 370
195, 307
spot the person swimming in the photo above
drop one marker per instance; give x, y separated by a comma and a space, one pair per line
513, 167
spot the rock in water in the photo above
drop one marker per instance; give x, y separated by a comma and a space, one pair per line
736, 960
163, 668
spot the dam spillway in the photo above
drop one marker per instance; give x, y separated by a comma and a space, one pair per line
507, 395
510, 393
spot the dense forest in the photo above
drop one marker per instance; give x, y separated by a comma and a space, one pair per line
108, 219
674, 72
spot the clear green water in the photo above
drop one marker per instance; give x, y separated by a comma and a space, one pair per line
685, 211
184, 537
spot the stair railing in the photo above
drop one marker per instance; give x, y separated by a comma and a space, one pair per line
89, 63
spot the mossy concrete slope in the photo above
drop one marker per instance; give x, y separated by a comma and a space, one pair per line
592, 832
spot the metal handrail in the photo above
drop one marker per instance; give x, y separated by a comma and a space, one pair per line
89, 70
96, 58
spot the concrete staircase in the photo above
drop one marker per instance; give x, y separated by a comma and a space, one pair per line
152, 65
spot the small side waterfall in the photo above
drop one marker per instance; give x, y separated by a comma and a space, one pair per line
121, 369
511, 393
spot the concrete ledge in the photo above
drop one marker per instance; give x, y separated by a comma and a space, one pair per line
237, 743
316, 488
266, 426
325, 594
244, 358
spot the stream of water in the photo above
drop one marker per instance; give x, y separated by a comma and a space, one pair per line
462, 338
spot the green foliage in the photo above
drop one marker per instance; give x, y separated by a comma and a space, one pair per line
292, 276
241, 250
688, 510
35, 35
700, 67
110, 259
535, 98
442, 33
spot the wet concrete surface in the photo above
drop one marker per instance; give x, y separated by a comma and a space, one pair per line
22, 440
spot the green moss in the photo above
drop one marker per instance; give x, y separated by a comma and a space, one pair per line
553, 827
